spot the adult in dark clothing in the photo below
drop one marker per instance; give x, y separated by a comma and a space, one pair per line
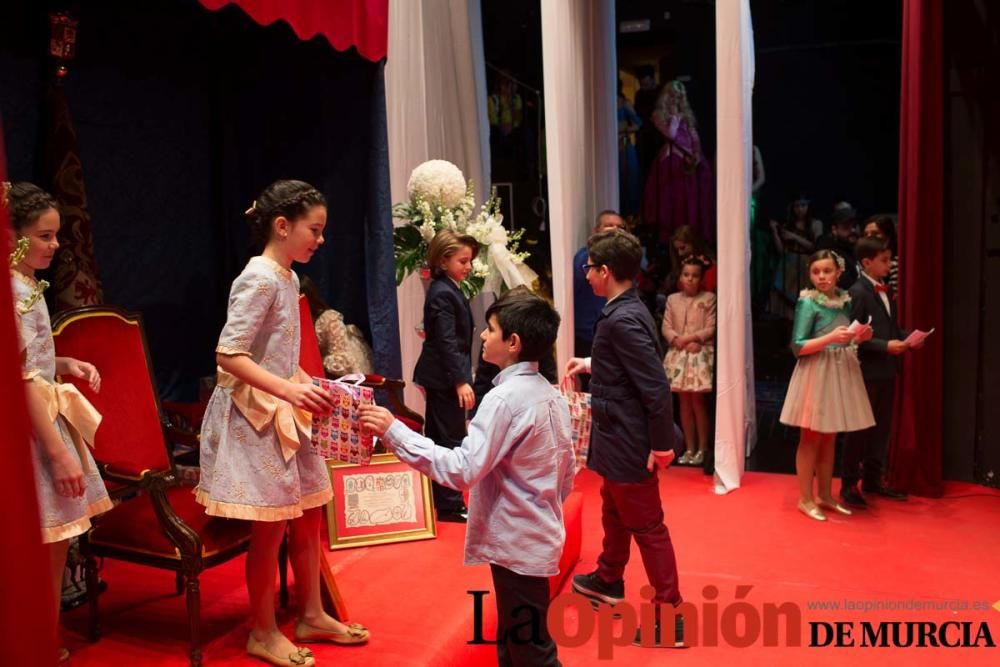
843, 225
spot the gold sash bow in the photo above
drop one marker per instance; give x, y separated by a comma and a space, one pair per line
82, 418
260, 408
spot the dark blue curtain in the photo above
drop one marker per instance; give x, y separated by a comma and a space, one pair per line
183, 116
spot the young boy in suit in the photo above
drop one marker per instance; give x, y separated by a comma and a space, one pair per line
517, 461
864, 454
633, 433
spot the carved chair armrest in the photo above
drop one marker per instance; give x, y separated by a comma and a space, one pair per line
183, 536
394, 390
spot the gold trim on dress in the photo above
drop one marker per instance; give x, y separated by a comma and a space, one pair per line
278, 268
51, 534
261, 513
231, 351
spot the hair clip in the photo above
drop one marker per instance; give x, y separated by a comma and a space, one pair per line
841, 264
252, 209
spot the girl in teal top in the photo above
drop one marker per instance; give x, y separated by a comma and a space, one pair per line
826, 394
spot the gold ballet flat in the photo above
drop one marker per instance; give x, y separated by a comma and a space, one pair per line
836, 507
812, 512
356, 634
300, 658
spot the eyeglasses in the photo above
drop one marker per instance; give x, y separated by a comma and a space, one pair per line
588, 267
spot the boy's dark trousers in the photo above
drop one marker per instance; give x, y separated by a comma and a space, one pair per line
633, 510
867, 450
445, 425
515, 592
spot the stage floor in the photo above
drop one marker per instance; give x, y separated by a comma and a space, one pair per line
917, 555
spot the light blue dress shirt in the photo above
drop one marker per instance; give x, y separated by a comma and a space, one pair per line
518, 462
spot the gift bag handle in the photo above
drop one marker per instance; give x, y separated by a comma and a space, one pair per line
352, 379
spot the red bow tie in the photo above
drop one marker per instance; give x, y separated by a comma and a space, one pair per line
881, 289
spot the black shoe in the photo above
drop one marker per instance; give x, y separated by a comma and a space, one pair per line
593, 587
664, 642
884, 491
852, 497
458, 516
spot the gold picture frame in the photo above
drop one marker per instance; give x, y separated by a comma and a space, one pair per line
383, 502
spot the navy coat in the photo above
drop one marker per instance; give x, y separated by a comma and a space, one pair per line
446, 359
630, 394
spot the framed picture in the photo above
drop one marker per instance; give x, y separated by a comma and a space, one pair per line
383, 502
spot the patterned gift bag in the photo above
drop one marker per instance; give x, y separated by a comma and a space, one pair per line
579, 418
338, 435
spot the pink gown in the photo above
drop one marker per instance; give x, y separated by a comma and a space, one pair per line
677, 194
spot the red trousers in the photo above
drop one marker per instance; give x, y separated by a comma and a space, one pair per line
633, 510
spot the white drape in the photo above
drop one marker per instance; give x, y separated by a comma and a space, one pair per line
580, 72
436, 108
735, 412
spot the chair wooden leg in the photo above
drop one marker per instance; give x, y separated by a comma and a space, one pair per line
283, 572
90, 574
179, 582
194, 617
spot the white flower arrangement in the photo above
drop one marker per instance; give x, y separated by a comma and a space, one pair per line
441, 198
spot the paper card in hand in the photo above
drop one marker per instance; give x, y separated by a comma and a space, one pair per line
338, 435
917, 336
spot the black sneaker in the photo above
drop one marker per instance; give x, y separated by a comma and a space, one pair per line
663, 642
593, 587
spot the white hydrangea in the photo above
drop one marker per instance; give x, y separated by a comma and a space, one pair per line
439, 182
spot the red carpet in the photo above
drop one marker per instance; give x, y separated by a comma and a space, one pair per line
413, 596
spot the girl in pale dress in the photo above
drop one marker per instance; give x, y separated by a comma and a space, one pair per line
69, 487
256, 460
689, 329
826, 394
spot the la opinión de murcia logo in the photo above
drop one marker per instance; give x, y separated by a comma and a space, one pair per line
739, 624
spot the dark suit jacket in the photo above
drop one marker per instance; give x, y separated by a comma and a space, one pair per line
446, 359
876, 362
630, 394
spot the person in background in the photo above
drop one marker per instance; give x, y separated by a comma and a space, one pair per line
843, 227
587, 305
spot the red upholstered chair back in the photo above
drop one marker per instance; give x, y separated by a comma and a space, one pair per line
310, 358
130, 438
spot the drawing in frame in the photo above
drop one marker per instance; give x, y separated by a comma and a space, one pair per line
383, 502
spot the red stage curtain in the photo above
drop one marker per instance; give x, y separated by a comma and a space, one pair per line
27, 609
363, 24
915, 460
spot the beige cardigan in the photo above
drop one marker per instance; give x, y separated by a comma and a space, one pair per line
690, 315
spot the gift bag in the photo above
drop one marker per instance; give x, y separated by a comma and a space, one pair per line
338, 435
579, 418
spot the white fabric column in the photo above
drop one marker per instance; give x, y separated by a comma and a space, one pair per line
580, 75
436, 108
734, 411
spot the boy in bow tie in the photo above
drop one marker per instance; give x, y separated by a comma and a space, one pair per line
864, 455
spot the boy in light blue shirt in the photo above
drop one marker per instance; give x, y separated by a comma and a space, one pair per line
517, 461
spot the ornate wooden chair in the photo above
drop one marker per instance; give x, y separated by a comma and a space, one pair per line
161, 526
